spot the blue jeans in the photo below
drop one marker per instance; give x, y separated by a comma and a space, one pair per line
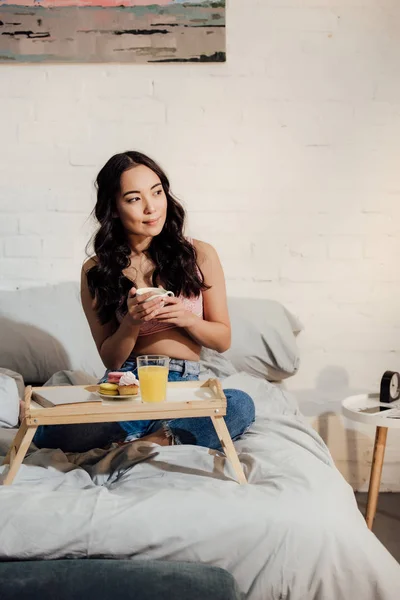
240, 412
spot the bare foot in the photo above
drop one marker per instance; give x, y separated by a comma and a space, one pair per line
158, 437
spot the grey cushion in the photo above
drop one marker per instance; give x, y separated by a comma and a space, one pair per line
116, 579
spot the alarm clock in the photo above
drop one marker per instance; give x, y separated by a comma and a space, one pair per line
390, 387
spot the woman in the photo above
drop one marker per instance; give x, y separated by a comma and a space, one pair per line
140, 243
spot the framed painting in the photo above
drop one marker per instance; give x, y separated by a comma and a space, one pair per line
103, 31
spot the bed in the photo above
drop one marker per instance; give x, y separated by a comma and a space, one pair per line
293, 532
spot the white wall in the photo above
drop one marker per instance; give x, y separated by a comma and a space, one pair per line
287, 158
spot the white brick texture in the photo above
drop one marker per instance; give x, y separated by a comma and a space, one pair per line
22, 247
286, 157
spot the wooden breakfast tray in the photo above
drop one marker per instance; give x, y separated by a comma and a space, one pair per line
184, 399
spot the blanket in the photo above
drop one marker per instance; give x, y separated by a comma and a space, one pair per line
294, 531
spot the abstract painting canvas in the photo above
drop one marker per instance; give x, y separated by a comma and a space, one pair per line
124, 31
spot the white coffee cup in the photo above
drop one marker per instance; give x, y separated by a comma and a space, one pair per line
156, 293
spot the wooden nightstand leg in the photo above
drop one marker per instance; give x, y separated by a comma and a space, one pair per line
376, 473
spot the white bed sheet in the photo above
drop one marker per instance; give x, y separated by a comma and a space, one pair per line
293, 532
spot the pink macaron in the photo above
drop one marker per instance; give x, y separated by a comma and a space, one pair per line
114, 377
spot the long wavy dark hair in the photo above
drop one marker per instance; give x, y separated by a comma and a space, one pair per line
173, 256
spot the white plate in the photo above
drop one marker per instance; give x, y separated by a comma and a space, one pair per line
109, 397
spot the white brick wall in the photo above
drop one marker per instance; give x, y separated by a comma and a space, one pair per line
286, 158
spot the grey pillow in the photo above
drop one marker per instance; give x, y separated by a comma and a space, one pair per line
214, 364
18, 380
44, 330
263, 341
9, 401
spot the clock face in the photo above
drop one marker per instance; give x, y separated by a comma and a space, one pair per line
394, 386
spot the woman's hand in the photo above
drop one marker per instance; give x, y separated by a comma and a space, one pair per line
175, 312
140, 311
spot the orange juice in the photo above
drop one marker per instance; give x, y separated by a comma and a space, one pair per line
153, 383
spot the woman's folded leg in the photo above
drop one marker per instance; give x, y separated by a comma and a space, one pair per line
200, 431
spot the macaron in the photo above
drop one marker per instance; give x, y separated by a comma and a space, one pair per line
114, 377
109, 389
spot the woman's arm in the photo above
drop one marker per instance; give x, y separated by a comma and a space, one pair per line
214, 331
114, 341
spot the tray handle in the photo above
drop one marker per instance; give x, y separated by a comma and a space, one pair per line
216, 387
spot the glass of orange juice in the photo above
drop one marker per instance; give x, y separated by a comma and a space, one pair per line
153, 377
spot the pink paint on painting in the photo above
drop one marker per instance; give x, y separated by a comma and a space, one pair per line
55, 3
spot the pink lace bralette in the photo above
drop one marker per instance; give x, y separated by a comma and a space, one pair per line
193, 305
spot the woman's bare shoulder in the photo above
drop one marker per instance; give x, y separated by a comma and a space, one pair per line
89, 263
204, 251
